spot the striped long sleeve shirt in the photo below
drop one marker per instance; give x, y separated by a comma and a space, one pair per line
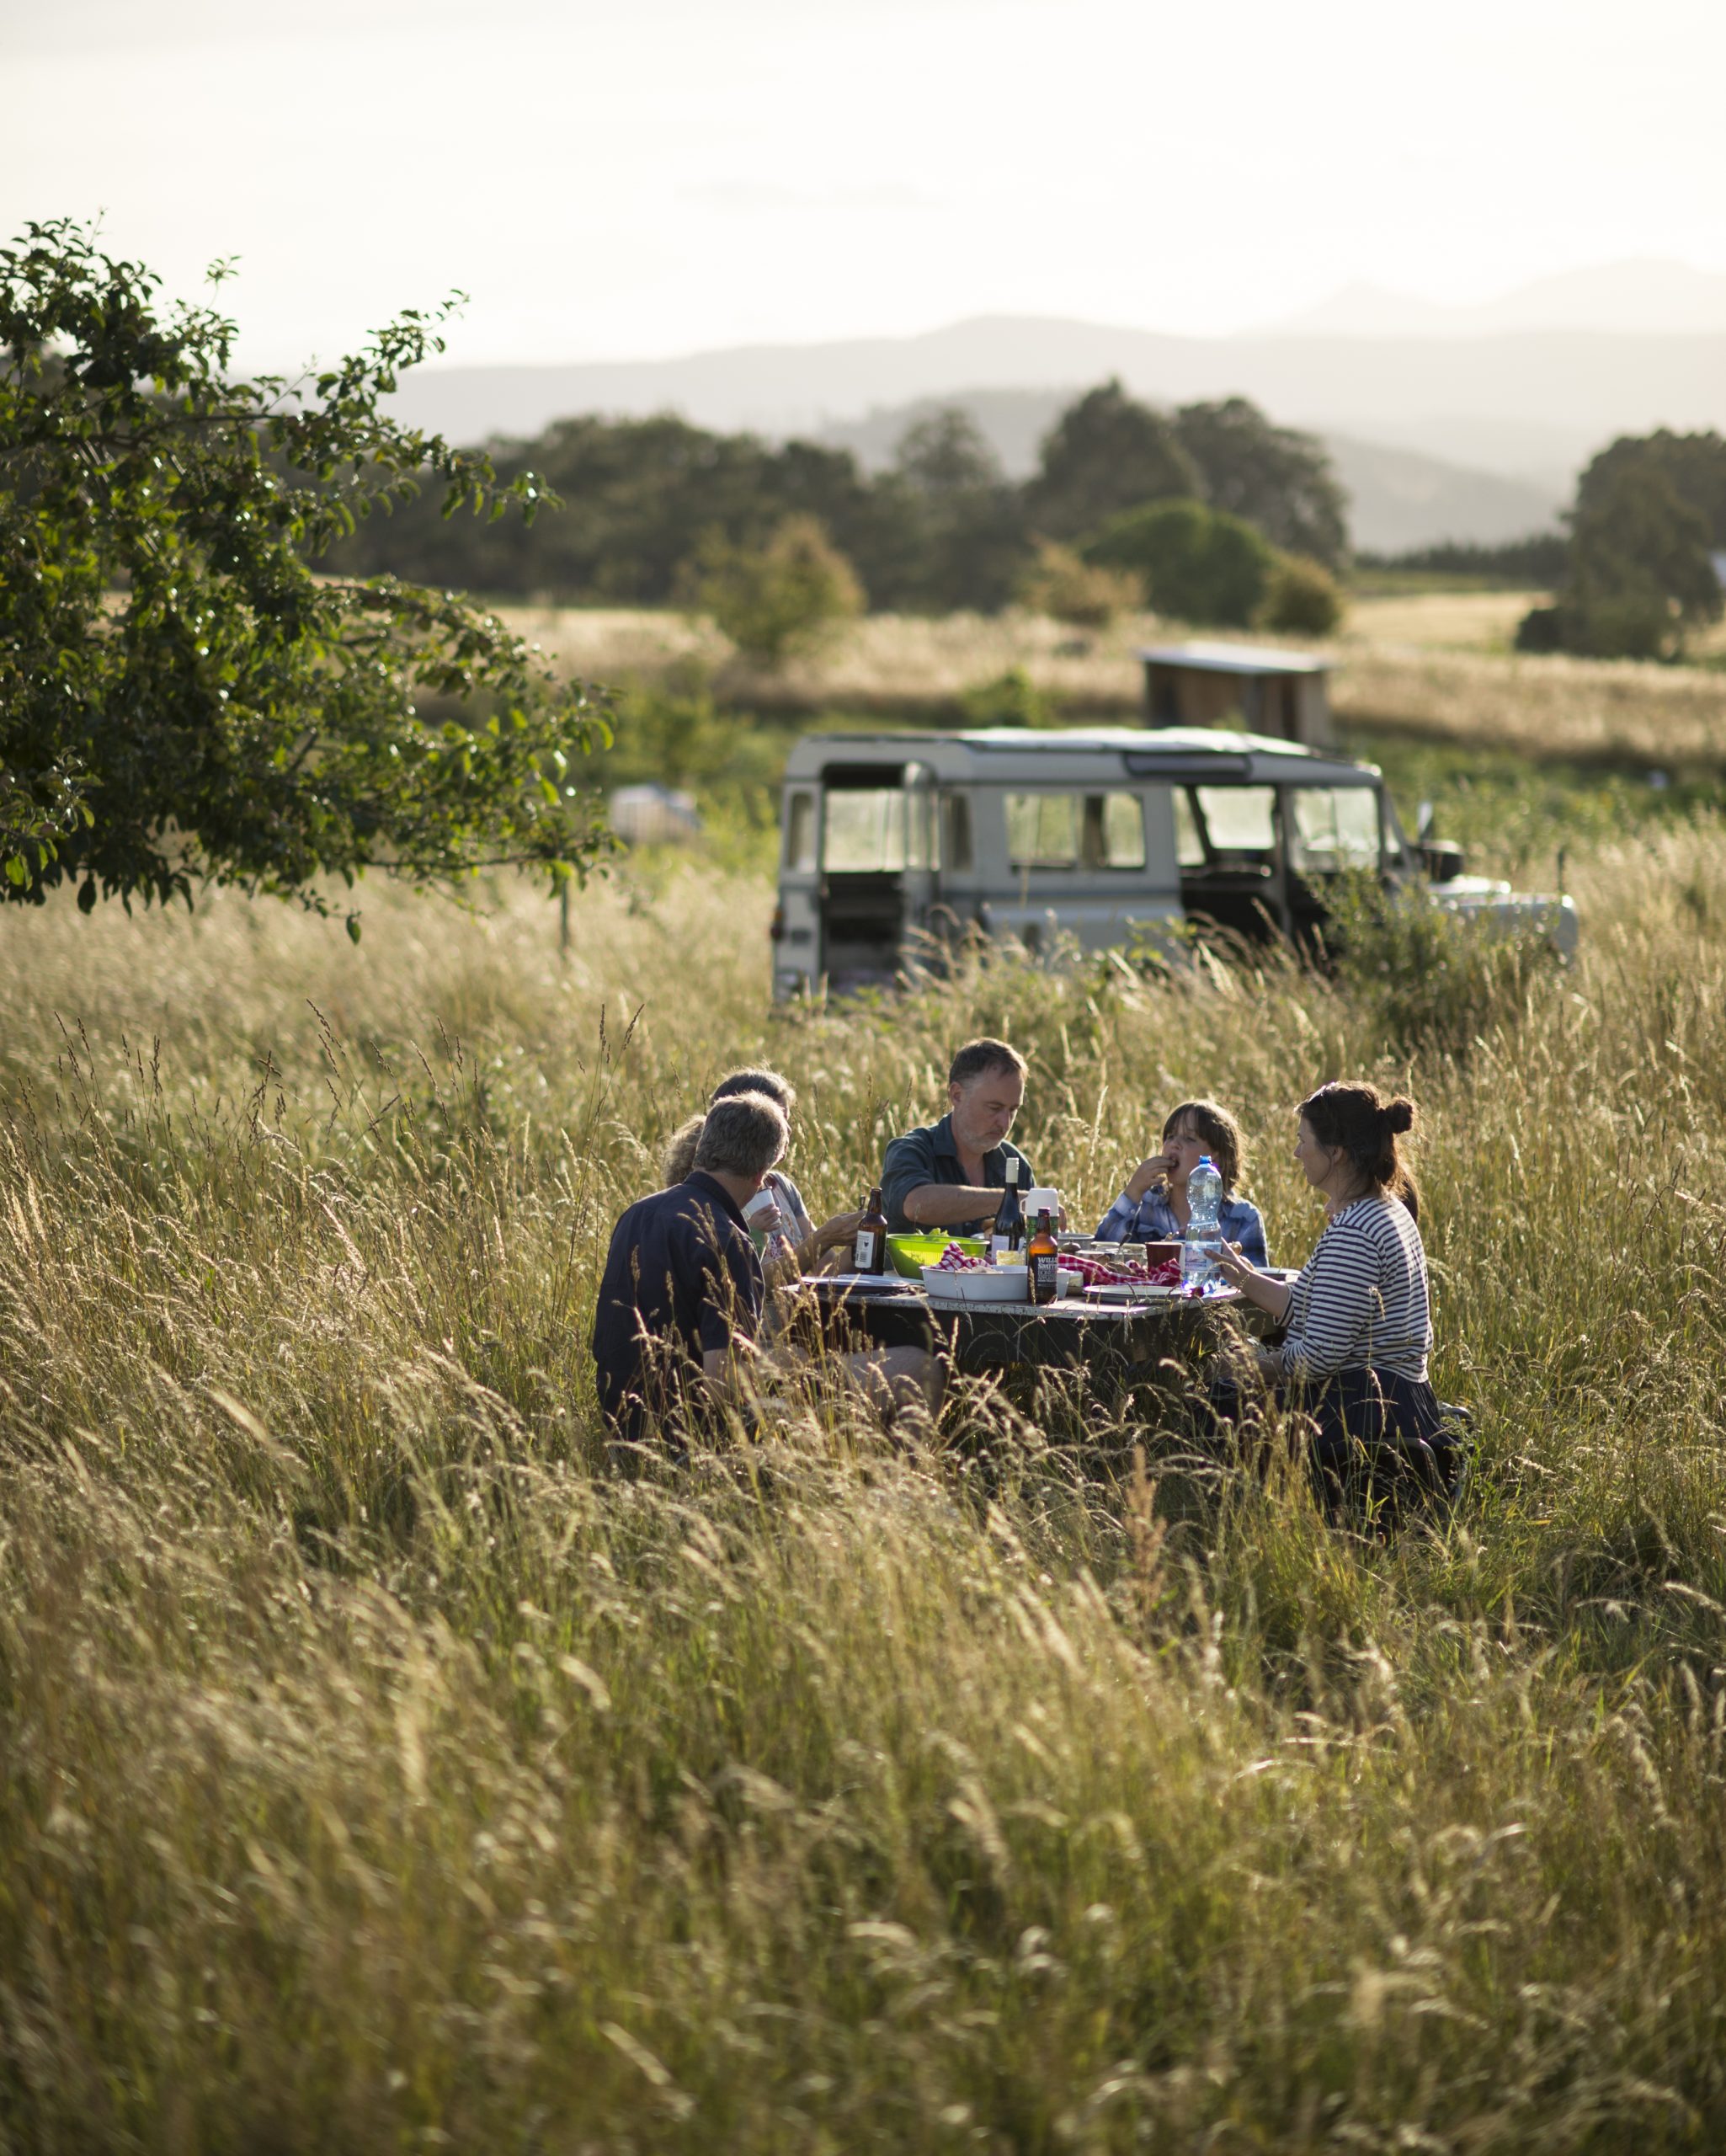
1361, 1301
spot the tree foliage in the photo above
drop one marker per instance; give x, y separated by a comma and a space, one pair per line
1061, 583
1199, 564
1639, 575
182, 701
1693, 466
966, 539
779, 597
940, 530
1273, 477
637, 494
1106, 453
1640, 571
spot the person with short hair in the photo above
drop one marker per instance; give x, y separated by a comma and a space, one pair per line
951, 1174
680, 1300
1359, 1325
810, 1244
1153, 1206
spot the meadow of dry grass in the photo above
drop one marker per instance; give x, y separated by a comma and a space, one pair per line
375, 1771
1435, 666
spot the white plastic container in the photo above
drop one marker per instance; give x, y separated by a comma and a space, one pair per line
999, 1284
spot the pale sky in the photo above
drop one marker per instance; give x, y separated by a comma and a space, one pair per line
644, 178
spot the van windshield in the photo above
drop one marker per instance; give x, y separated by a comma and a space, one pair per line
1334, 827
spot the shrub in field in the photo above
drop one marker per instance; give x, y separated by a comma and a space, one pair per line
1199, 564
1063, 585
1302, 598
181, 701
1011, 699
1434, 981
783, 596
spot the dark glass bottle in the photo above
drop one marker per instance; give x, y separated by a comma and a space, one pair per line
1042, 1254
869, 1252
1008, 1231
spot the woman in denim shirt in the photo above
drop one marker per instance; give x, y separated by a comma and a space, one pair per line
1152, 1209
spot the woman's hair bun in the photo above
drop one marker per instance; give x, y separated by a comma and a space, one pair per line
1399, 1114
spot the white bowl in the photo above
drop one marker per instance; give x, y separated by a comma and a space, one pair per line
1000, 1283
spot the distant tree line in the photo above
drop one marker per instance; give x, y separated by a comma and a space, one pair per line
1539, 561
651, 510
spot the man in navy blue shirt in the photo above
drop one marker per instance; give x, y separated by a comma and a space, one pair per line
681, 1293
951, 1174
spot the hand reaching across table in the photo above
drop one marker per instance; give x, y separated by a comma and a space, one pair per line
1265, 1289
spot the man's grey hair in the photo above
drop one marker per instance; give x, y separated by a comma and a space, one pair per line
743, 1136
977, 1057
753, 1079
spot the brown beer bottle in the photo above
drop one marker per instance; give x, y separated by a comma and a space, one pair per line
869, 1253
1042, 1254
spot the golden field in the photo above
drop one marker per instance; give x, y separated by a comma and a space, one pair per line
377, 1771
1436, 666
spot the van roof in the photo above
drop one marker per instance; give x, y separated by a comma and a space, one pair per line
1145, 751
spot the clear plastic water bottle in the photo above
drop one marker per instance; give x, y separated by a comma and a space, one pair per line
1204, 1232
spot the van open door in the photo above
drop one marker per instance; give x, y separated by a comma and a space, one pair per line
875, 869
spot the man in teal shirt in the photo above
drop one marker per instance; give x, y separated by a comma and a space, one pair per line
951, 1174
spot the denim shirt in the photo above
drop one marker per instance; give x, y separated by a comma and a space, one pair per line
1151, 1220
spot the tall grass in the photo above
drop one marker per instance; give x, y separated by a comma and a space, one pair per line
375, 1771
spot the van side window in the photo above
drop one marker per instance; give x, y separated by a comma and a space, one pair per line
1113, 832
800, 834
1334, 827
1042, 830
955, 833
865, 831
1189, 846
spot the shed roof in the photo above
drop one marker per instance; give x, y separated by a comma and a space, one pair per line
1234, 659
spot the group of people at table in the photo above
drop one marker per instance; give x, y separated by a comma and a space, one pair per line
686, 1311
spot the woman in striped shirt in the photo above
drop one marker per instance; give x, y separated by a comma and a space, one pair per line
1359, 1328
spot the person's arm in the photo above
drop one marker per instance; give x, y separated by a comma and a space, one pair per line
1260, 1288
1343, 1298
836, 1234
947, 1204
730, 1302
1118, 1222
913, 1196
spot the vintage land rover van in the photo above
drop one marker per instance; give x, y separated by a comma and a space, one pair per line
1101, 834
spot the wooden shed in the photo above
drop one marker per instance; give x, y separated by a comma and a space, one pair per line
1284, 694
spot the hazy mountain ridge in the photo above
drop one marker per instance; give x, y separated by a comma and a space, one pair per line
1647, 298
1559, 394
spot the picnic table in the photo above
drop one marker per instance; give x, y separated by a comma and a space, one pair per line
1117, 1345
